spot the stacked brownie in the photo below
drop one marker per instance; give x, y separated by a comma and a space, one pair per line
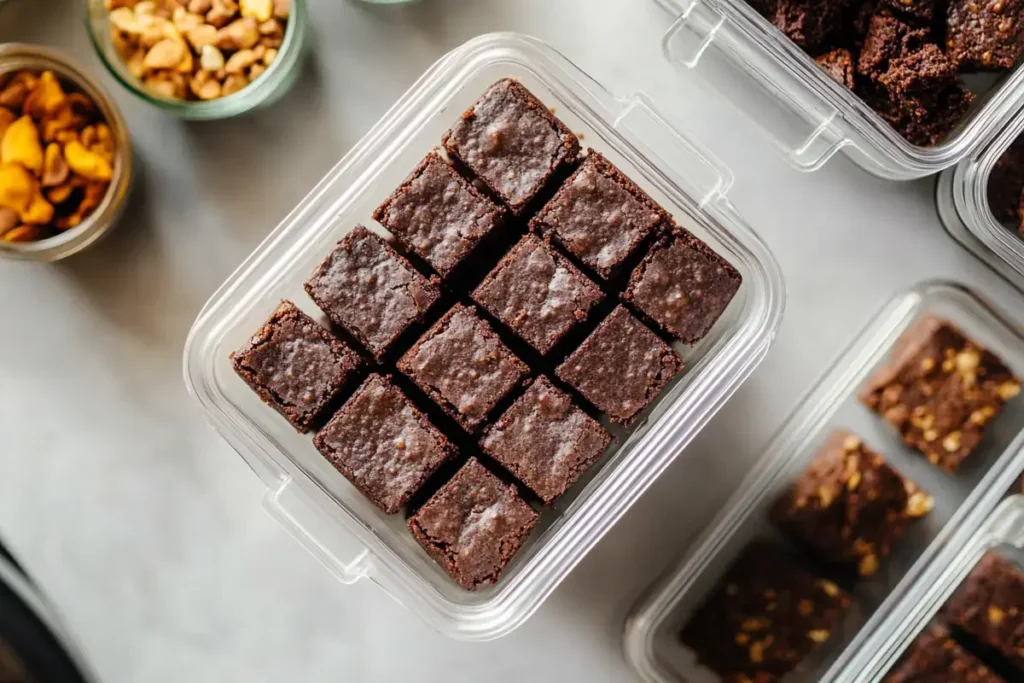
905, 58
529, 290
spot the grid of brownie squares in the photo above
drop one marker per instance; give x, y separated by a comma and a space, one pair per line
521, 293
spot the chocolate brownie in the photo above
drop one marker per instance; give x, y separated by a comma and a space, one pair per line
984, 34
473, 526
934, 657
920, 11
512, 143
888, 38
928, 125
463, 365
767, 615
810, 23
838, 64
546, 441
295, 365
537, 293
383, 445
621, 367
438, 215
849, 505
918, 76
370, 291
989, 605
1006, 182
683, 286
940, 390
599, 215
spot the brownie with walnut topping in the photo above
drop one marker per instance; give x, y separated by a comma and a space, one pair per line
986, 35
934, 657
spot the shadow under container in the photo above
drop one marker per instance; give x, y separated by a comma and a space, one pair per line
887, 603
803, 111
18, 57
320, 508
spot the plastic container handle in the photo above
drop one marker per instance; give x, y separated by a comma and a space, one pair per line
795, 118
289, 507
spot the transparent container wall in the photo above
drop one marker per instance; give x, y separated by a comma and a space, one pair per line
652, 639
802, 111
318, 505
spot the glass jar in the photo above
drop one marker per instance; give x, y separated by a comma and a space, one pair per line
268, 88
17, 57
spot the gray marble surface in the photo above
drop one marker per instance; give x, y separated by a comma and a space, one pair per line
145, 528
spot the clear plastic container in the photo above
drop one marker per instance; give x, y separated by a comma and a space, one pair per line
962, 500
962, 199
806, 114
319, 506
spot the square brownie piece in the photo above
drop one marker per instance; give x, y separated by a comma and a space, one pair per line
438, 214
512, 143
537, 293
370, 291
810, 23
940, 390
295, 365
929, 122
383, 445
473, 526
546, 441
984, 34
464, 366
989, 605
934, 657
599, 216
838, 64
888, 38
683, 286
621, 367
849, 505
767, 615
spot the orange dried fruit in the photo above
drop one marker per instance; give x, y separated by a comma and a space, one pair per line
17, 187
86, 163
23, 233
39, 211
7, 117
46, 98
21, 145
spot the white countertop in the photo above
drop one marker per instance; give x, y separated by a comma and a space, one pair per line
146, 529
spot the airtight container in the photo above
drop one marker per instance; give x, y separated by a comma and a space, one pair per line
800, 109
887, 602
325, 513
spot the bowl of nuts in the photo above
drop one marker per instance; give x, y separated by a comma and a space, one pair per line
65, 156
201, 59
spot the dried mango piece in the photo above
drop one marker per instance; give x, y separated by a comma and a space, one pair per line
39, 211
47, 97
61, 193
55, 169
7, 117
87, 164
17, 187
104, 145
9, 219
21, 145
23, 233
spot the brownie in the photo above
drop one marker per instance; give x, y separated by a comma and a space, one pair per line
599, 215
849, 506
918, 11
767, 615
1006, 183
683, 286
838, 64
621, 367
512, 143
546, 441
383, 445
927, 125
989, 605
370, 291
463, 365
940, 390
810, 23
295, 365
918, 76
473, 526
888, 38
438, 215
984, 34
537, 293
934, 657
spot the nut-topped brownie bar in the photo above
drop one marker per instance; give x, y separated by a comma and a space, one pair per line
383, 445
366, 288
984, 34
989, 605
295, 365
849, 505
621, 367
940, 390
811, 24
512, 143
537, 293
934, 657
683, 286
473, 526
767, 615
439, 215
599, 216
464, 366
546, 441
